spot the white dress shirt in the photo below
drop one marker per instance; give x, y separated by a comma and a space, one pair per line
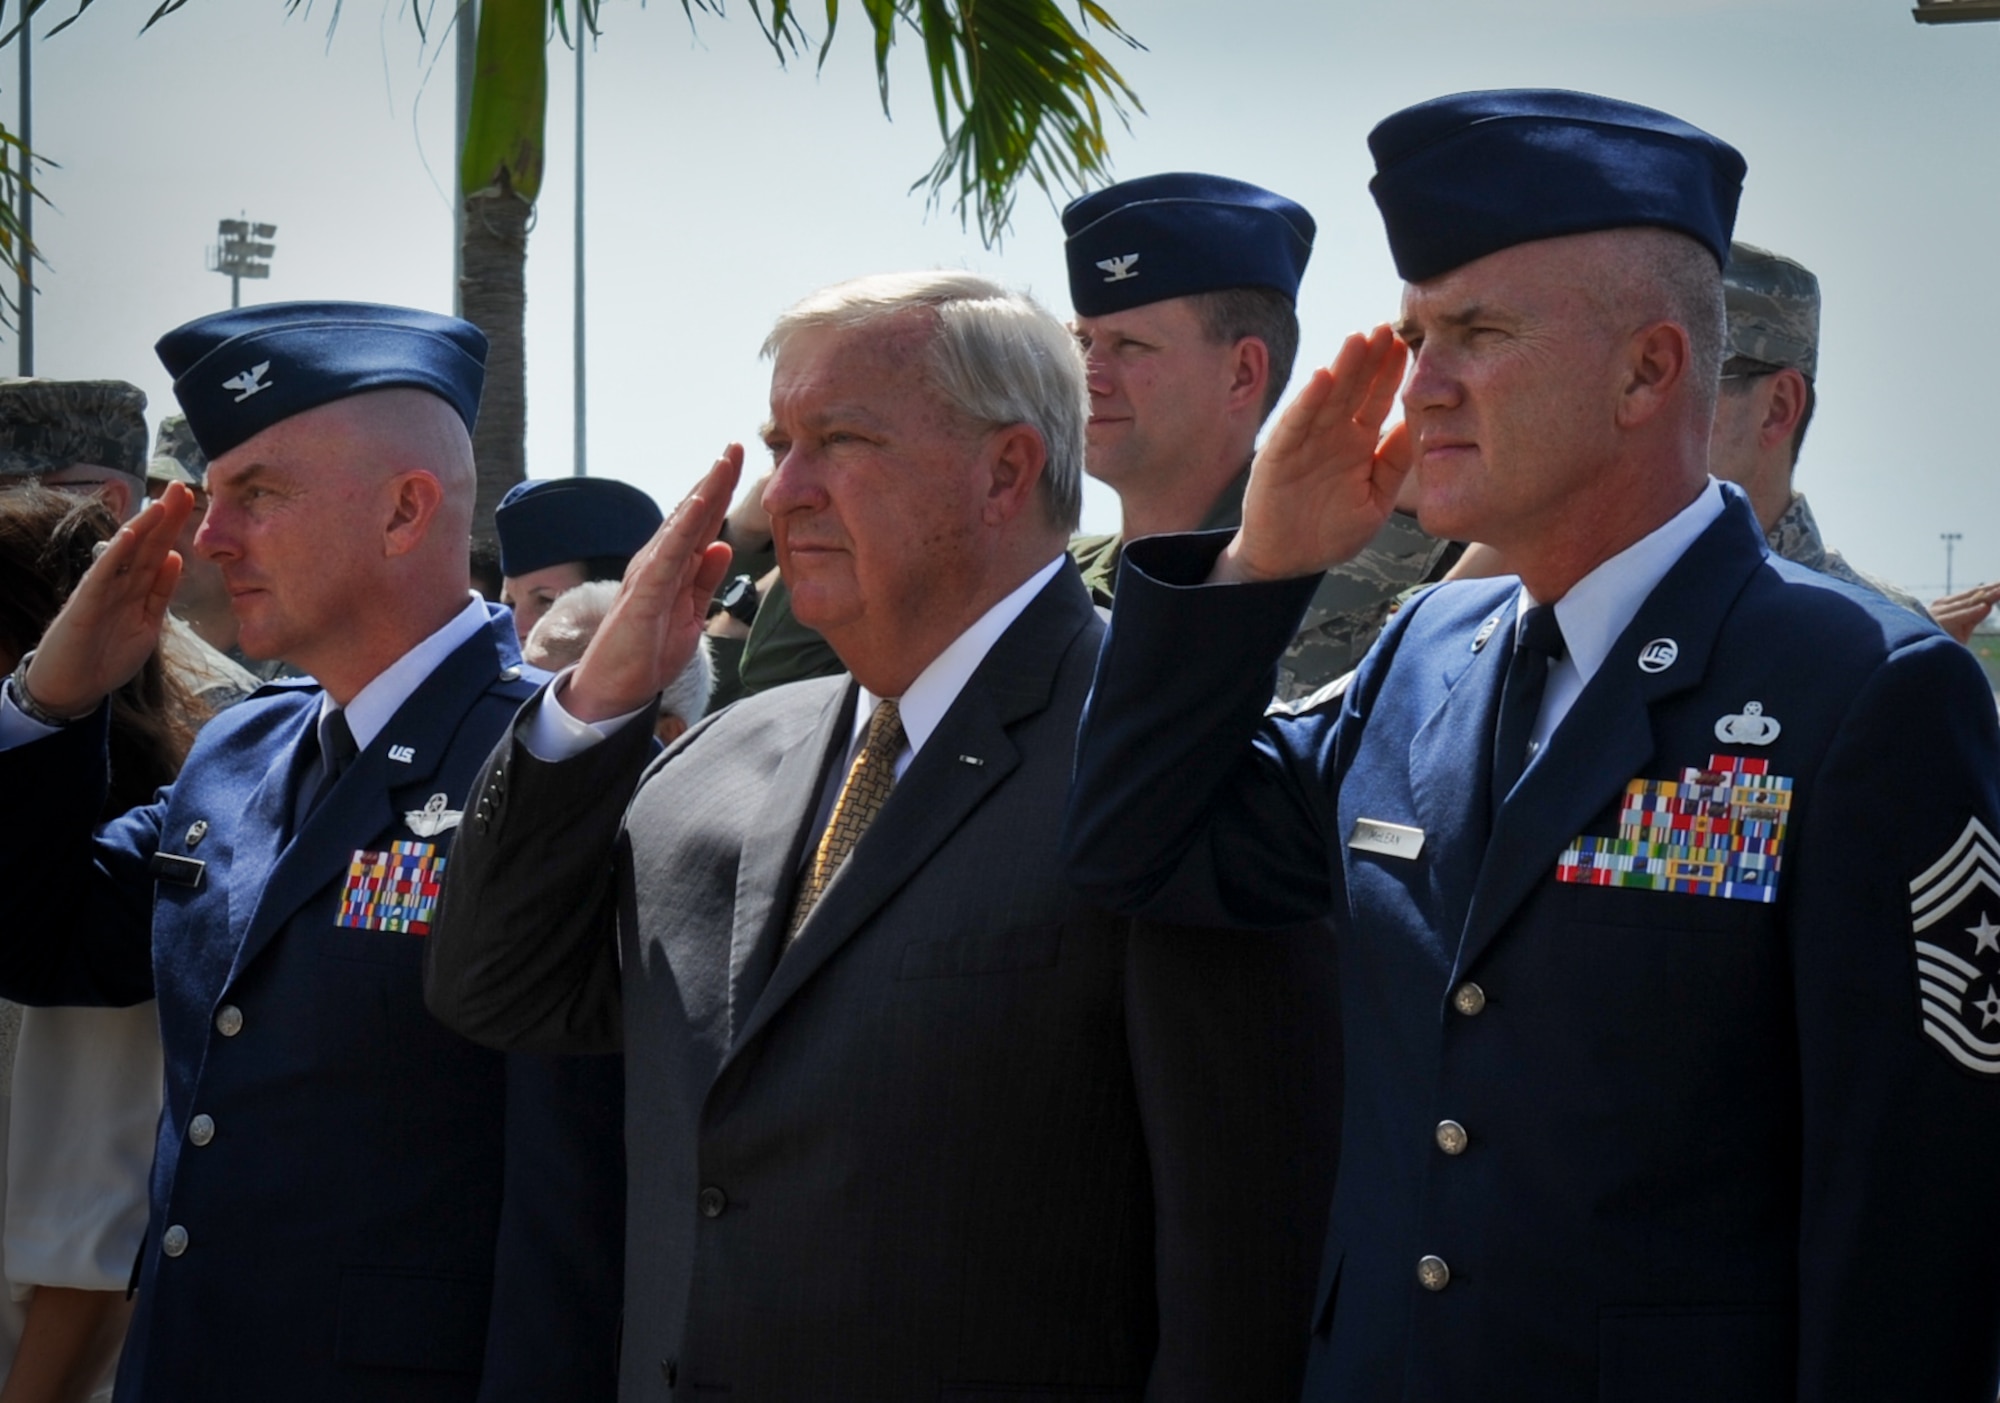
1600, 605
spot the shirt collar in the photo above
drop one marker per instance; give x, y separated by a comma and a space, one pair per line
928, 698
1600, 605
376, 703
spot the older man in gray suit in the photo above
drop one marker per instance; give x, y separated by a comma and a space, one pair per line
905, 1117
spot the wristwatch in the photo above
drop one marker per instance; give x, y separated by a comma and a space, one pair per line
740, 601
17, 685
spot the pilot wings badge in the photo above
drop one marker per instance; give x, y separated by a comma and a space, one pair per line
250, 382
1952, 909
1119, 266
433, 818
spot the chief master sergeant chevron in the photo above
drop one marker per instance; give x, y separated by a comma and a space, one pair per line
348, 1201
1671, 927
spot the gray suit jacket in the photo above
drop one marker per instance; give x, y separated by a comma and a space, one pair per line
915, 1157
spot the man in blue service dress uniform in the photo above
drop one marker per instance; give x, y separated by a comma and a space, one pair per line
1666, 874
349, 1202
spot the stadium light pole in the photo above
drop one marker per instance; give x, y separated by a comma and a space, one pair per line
1950, 539
27, 210
242, 250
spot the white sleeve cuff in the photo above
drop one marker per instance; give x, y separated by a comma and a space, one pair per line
551, 734
16, 726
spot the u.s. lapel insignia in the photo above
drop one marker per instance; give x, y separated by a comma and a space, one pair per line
1718, 831
1658, 655
1748, 727
433, 818
1958, 949
395, 889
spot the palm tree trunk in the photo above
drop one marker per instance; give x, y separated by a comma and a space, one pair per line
495, 297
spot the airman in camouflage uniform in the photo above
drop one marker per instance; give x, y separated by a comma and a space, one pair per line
92, 434
1767, 399
76, 433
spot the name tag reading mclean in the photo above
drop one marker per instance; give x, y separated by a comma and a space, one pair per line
1372, 835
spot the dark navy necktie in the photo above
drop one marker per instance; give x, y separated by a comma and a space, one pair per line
1539, 645
336, 751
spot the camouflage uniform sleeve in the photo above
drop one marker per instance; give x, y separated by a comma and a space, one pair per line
1353, 603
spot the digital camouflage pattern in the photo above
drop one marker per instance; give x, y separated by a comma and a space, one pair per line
176, 456
1773, 304
1796, 537
49, 425
1352, 604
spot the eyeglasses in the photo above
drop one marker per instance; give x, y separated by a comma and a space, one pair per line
1744, 368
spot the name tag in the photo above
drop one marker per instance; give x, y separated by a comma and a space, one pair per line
1372, 835
177, 871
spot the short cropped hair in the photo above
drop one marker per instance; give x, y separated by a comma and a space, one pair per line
1663, 275
996, 357
1233, 313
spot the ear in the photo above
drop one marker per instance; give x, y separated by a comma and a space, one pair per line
1784, 407
1014, 459
1656, 362
1249, 375
414, 499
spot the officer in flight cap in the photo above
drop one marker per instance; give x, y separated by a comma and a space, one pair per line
1671, 976
348, 1201
562, 532
1185, 289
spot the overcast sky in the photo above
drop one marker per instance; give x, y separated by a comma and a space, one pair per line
722, 187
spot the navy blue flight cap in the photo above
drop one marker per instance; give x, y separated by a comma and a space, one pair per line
1463, 176
1164, 236
571, 518
236, 373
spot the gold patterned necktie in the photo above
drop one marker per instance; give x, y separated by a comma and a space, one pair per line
862, 794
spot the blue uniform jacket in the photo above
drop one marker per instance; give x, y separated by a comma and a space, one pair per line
1657, 1144
348, 1201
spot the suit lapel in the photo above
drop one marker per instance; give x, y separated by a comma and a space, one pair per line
941, 788
354, 815
767, 874
1607, 737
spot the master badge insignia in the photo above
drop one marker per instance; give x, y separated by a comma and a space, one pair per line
433, 818
1952, 906
1748, 727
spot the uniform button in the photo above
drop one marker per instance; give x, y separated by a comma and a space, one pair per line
1469, 999
1451, 1137
713, 1202
513, 674
229, 1020
1433, 1273
201, 1130
174, 1240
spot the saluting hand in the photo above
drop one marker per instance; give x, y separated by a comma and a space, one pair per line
1326, 478
111, 622
655, 624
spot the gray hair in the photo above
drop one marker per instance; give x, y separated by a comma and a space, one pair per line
559, 637
996, 357
1663, 275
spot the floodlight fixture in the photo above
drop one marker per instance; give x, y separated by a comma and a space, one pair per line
1955, 11
242, 250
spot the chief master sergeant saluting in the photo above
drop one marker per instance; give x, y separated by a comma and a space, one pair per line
1671, 968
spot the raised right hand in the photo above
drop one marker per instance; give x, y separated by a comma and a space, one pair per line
655, 624
1327, 477
111, 622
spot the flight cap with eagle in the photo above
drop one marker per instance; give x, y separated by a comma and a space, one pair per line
236, 373
1170, 235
